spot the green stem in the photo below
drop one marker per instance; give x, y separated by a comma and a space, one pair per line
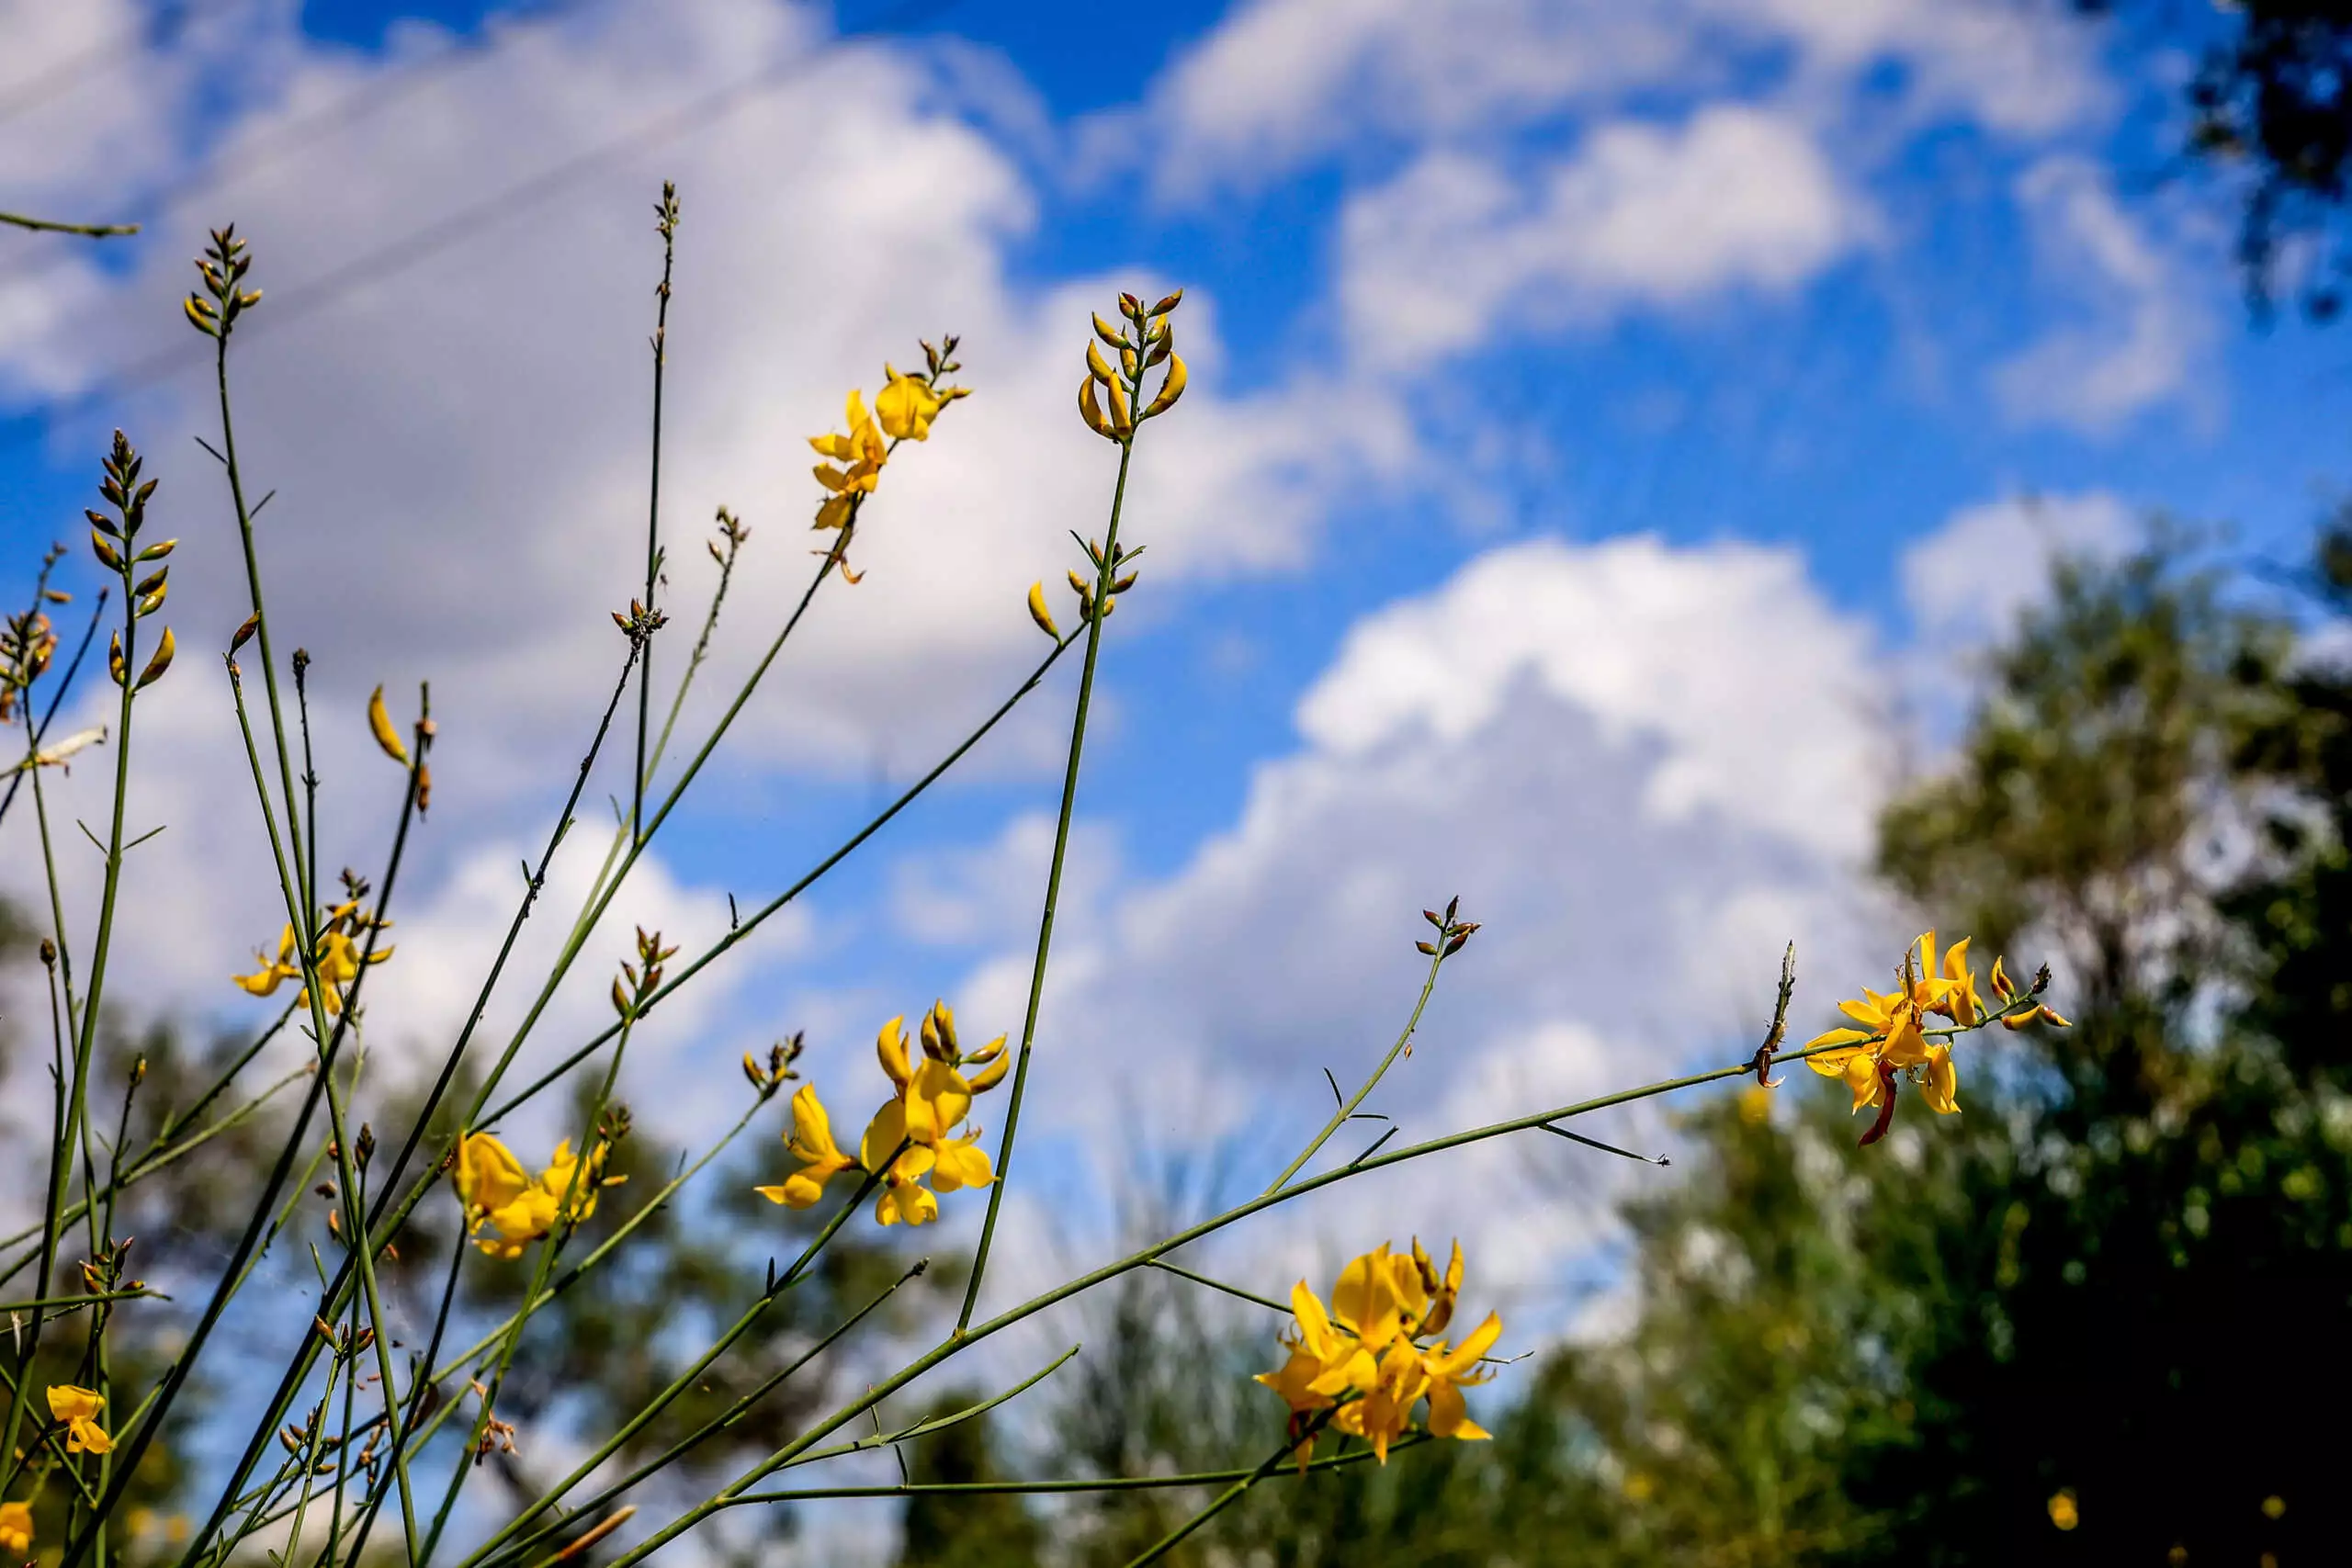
752, 922
682, 1381
1075, 1485
956, 1344
50, 226
1340, 1117
653, 507
1101, 611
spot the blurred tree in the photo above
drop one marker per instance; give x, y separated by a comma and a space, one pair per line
2144, 1297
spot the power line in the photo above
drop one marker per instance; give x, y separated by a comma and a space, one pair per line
290, 303
300, 134
60, 77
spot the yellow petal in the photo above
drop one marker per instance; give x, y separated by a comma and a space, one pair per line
883, 1135
379, 723
890, 1046
1942, 1086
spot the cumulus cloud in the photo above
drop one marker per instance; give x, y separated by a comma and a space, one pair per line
1279, 85
2133, 332
1643, 768
1639, 215
458, 451
1967, 582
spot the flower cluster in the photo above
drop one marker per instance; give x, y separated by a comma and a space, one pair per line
1892, 1042
904, 410
1148, 341
915, 1132
336, 953
17, 1529
515, 1209
1362, 1365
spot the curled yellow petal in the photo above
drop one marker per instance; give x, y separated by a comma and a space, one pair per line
379, 723
1096, 366
1039, 613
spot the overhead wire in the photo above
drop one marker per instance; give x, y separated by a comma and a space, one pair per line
239, 160
295, 301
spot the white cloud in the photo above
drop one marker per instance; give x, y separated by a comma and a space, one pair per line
460, 452
1639, 215
2135, 333
1965, 582
1643, 768
1282, 83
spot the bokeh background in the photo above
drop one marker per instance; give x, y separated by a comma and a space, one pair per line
1684, 478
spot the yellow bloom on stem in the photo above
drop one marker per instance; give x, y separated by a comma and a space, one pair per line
907, 406
501, 1198
861, 452
811, 1142
1891, 1038
78, 1408
1364, 1362
15, 1529
918, 1133
265, 981
337, 957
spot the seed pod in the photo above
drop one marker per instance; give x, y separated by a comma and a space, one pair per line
108, 557
1109, 334
1169, 304
245, 632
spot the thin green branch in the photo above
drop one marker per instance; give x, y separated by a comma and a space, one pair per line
1100, 610
1348, 1108
50, 226
1080, 1485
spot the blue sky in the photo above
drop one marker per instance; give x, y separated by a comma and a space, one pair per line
1674, 382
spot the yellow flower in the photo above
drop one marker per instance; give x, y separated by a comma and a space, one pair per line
265, 981
78, 1408
503, 1199
861, 454
907, 406
811, 1142
337, 959
1940, 1087
918, 1132
15, 1529
1366, 1363
1959, 1001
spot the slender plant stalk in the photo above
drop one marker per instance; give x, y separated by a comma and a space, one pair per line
1080, 1485
1340, 1117
955, 1344
752, 922
1102, 602
669, 228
